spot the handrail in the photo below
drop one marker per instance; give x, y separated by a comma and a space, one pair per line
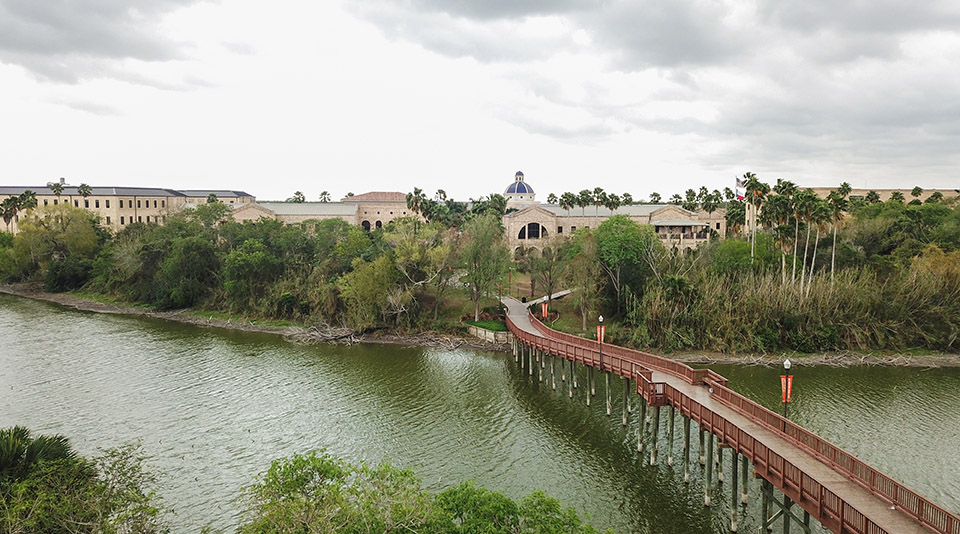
615, 359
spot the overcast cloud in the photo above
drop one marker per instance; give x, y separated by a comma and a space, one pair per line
397, 94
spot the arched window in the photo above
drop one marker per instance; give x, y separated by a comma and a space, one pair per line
379, 224
365, 225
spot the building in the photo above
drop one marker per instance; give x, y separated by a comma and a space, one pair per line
119, 207
533, 224
370, 210
885, 194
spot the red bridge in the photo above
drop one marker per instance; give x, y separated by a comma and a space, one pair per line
828, 484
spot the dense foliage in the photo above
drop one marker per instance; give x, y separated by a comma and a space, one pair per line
806, 274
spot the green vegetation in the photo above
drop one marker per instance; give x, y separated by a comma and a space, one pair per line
811, 274
46, 487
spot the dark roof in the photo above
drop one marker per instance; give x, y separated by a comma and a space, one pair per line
204, 193
519, 187
95, 191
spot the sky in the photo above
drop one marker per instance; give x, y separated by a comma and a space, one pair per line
386, 95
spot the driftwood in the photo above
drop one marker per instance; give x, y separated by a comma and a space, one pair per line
323, 333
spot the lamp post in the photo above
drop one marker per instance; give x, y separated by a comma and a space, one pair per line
786, 385
600, 332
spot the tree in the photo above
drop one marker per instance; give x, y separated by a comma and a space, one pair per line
872, 197
655, 198
297, 198
819, 215
599, 198
612, 202
756, 193
676, 199
188, 273
838, 202
21, 453
568, 201
621, 245
84, 191
551, 198
56, 188
584, 199
689, 202
710, 204
934, 198
550, 266
247, 271
788, 189
415, 200
324, 196
9, 209
897, 196
627, 199
916, 192
212, 198
484, 255
584, 272
804, 203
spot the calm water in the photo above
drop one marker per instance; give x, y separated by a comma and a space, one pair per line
213, 408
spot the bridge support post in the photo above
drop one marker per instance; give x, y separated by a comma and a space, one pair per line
626, 399
787, 505
641, 424
655, 433
686, 450
573, 374
563, 370
765, 493
670, 432
530, 361
719, 463
709, 479
606, 380
540, 357
733, 492
553, 372
591, 383
700, 452
520, 354
570, 382
744, 468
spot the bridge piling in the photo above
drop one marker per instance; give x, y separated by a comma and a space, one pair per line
700, 455
591, 382
570, 382
670, 423
573, 374
655, 433
719, 463
733, 492
686, 450
641, 424
606, 380
530, 361
708, 481
626, 399
553, 372
744, 468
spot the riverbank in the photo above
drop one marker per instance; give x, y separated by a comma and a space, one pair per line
430, 339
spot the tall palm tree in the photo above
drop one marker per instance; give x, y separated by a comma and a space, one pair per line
57, 188
612, 202
897, 196
551, 198
838, 201
84, 190
872, 197
690, 200
655, 198
415, 200
788, 189
9, 209
819, 215
710, 203
568, 201
599, 199
627, 199
804, 202
325, 196
676, 199
27, 200
916, 192
584, 199
756, 193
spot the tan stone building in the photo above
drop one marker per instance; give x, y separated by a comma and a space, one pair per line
370, 210
885, 194
119, 207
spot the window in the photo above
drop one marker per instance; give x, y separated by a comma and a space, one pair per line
108, 202
573, 228
138, 203
76, 203
139, 217
44, 202
163, 204
148, 218
86, 203
96, 203
121, 220
55, 202
154, 203
108, 219
559, 229
718, 226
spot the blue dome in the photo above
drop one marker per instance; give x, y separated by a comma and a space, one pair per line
520, 188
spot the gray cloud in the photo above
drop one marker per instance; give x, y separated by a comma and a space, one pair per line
94, 108
65, 41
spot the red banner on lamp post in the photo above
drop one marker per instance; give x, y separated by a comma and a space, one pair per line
786, 387
601, 330
543, 307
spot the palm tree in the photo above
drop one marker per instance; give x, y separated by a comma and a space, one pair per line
872, 197
325, 196
690, 202
27, 200
212, 198
897, 196
20, 452
440, 196
710, 203
568, 201
728, 194
551, 199
612, 202
676, 199
789, 189
804, 202
9, 208
297, 198
57, 188
819, 215
756, 193
415, 200
84, 190
838, 201
655, 198
627, 199
776, 213
599, 199
916, 192
584, 199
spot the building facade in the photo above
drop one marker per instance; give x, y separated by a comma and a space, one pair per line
119, 207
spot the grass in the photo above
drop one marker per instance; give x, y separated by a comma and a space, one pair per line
224, 316
495, 326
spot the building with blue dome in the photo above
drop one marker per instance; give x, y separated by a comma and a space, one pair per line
519, 193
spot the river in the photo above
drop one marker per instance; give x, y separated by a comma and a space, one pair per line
212, 408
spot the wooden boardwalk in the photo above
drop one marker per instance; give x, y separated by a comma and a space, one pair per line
833, 487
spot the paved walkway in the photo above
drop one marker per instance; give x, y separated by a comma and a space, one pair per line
864, 501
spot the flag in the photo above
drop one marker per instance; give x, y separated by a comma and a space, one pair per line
739, 196
740, 183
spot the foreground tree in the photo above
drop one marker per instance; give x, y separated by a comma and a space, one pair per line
484, 256
621, 247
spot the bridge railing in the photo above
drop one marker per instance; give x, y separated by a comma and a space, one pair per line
907, 500
619, 359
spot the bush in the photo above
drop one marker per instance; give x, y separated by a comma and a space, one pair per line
67, 274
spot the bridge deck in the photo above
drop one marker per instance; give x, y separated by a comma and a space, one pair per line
870, 505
